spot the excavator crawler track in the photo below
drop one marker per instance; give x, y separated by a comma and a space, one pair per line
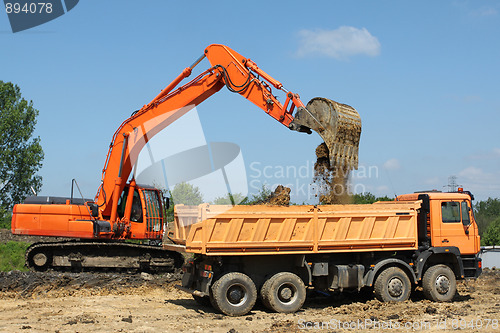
80, 256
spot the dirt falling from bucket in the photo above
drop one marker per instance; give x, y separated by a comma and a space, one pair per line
330, 181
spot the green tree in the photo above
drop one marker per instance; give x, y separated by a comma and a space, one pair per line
486, 212
367, 198
187, 194
4, 218
182, 193
21, 153
260, 197
492, 234
226, 200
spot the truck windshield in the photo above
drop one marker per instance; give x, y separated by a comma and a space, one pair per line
450, 211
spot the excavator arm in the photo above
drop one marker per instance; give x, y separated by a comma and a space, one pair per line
240, 75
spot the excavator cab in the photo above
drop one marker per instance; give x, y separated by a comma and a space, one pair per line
146, 212
338, 124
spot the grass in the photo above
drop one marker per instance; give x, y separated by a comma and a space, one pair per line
12, 256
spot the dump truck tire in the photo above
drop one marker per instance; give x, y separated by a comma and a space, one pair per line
439, 283
212, 301
392, 285
284, 292
234, 294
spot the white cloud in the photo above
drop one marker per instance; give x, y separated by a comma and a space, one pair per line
472, 173
392, 164
493, 154
477, 177
481, 182
485, 11
471, 99
340, 43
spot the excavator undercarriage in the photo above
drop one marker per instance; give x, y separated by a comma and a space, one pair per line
87, 255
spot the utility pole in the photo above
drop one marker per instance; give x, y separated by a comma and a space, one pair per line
452, 184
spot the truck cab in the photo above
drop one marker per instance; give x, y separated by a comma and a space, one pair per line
447, 222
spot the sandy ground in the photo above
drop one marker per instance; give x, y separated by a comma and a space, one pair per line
100, 302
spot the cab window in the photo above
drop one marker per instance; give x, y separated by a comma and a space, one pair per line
136, 214
450, 211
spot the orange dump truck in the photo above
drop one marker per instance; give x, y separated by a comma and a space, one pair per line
278, 253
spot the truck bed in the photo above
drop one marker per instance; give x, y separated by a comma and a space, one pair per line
262, 229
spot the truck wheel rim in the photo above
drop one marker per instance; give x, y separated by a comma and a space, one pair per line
287, 293
395, 287
236, 294
442, 284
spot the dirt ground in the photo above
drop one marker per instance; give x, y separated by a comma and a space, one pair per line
103, 302
7, 236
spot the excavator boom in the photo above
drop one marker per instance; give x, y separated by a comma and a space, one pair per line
338, 124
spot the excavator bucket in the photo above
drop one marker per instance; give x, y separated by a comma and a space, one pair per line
338, 124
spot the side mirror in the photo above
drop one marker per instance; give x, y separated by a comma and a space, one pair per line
466, 221
166, 203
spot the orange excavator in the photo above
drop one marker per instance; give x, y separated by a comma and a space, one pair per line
124, 210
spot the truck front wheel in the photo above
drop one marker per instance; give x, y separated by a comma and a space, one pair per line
392, 285
439, 283
284, 292
234, 294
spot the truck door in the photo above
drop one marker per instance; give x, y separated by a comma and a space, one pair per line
455, 223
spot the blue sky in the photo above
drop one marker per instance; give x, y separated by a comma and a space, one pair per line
423, 76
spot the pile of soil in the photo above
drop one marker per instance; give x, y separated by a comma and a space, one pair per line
280, 196
28, 284
7, 236
331, 181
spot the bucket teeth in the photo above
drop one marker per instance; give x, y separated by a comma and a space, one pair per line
338, 124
